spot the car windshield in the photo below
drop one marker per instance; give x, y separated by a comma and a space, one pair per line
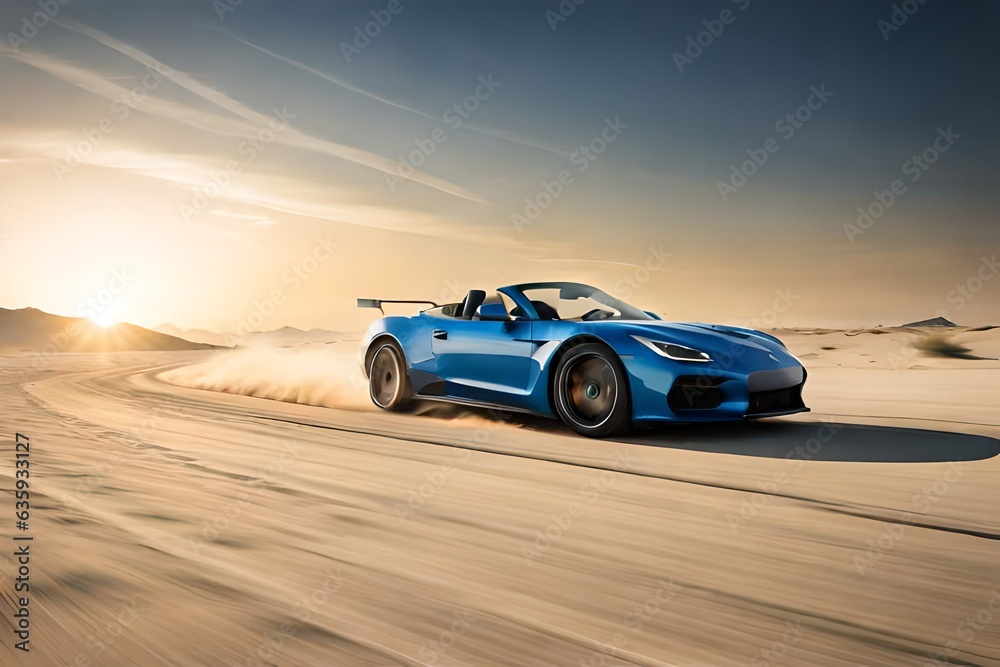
573, 301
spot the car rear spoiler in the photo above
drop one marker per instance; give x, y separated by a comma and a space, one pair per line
377, 303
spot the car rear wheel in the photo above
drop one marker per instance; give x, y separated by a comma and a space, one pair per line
387, 377
591, 393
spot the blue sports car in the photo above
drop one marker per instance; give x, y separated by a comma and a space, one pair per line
571, 351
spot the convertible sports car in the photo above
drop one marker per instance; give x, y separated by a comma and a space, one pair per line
574, 352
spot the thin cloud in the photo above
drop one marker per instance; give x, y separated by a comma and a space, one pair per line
271, 192
289, 137
503, 135
244, 218
103, 86
515, 138
334, 81
574, 260
256, 191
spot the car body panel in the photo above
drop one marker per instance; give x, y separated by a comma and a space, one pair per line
481, 360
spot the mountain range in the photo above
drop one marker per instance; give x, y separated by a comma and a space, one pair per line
30, 329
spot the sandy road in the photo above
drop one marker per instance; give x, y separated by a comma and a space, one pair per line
180, 526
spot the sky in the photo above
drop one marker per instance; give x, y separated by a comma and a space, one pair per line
263, 164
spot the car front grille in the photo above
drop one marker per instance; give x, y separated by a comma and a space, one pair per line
776, 400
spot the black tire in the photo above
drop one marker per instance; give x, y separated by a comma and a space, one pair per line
388, 385
590, 392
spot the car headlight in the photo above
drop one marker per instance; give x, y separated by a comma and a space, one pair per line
673, 350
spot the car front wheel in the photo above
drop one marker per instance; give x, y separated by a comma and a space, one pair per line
591, 393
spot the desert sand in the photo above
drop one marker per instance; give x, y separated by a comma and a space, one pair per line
178, 524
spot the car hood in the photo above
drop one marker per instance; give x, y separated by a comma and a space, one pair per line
732, 347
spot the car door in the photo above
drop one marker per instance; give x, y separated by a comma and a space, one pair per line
482, 360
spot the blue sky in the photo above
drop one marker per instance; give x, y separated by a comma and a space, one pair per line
339, 164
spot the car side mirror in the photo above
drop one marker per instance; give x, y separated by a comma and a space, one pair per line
495, 312
652, 314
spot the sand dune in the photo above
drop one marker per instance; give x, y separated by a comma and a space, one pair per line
186, 526
194, 335
896, 348
283, 337
29, 330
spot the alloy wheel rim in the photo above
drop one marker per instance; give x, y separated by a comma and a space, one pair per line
590, 390
384, 376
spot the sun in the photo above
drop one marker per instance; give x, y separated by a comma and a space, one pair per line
104, 320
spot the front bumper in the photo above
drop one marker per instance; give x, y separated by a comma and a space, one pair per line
716, 395
776, 392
